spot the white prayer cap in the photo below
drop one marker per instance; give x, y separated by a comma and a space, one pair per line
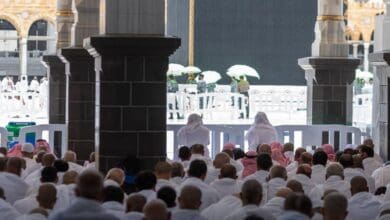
27, 147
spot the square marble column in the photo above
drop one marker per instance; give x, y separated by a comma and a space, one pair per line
130, 106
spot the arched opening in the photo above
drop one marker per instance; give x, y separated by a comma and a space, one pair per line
41, 38
8, 39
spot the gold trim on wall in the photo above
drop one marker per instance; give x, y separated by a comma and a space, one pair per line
191, 33
65, 13
330, 18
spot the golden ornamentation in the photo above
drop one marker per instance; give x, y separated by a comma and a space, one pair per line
330, 18
191, 33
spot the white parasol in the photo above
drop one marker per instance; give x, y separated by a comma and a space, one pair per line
175, 69
242, 70
210, 76
191, 69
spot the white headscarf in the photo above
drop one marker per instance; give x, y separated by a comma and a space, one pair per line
261, 132
193, 123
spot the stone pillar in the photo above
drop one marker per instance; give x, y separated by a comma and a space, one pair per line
23, 56
380, 60
329, 72
355, 49
131, 59
366, 52
65, 20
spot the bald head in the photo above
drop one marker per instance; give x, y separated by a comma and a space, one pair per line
283, 192
90, 185
306, 158
135, 203
304, 169
335, 207
47, 196
48, 160
220, 160
70, 177
117, 175
190, 197
334, 170
251, 193
264, 149
298, 153
70, 156
228, 171
163, 170
156, 210
15, 165
358, 184
278, 171
197, 149
295, 186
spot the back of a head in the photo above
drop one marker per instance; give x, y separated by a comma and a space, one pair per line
168, 195
61, 165
156, 210
228, 152
334, 170
49, 175
283, 192
177, 170
369, 142
135, 203
251, 192
278, 171
89, 185
288, 147
335, 206
228, 171
198, 169
14, 165
358, 184
320, 158
117, 175
3, 151
367, 150
238, 153
306, 158
70, 177
220, 160
264, 162
47, 195
298, 152
346, 161
197, 149
357, 161
264, 149
298, 202
295, 186
184, 153
39, 156
163, 167
70, 156
48, 160
304, 169
113, 194
190, 197
145, 180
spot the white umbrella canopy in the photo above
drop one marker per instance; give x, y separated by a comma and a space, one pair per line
363, 74
191, 69
175, 69
242, 70
210, 76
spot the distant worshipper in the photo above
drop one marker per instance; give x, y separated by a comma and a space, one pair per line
189, 204
251, 196
145, 182
86, 206
14, 187
229, 148
42, 145
163, 172
370, 143
227, 183
185, 156
198, 152
276, 204
214, 171
277, 154
7, 211
156, 210
227, 204
381, 176
114, 177
196, 175
177, 175
295, 186
62, 167
303, 176
243, 87
194, 133
71, 158
113, 201
288, 151
263, 164
362, 205
335, 207
34, 178
369, 163
297, 156
297, 206
249, 163
28, 156
134, 207
329, 150
261, 132
277, 180
91, 164
320, 159
66, 190
334, 180
168, 195
15, 151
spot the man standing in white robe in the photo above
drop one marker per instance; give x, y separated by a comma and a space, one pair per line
362, 205
189, 204
264, 163
196, 175
227, 184
261, 132
14, 187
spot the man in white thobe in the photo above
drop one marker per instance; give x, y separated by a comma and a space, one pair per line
14, 187
227, 184
303, 176
261, 132
213, 172
320, 158
251, 195
189, 204
278, 177
362, 205
28, 154
264, 163
196, 175
66, 191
